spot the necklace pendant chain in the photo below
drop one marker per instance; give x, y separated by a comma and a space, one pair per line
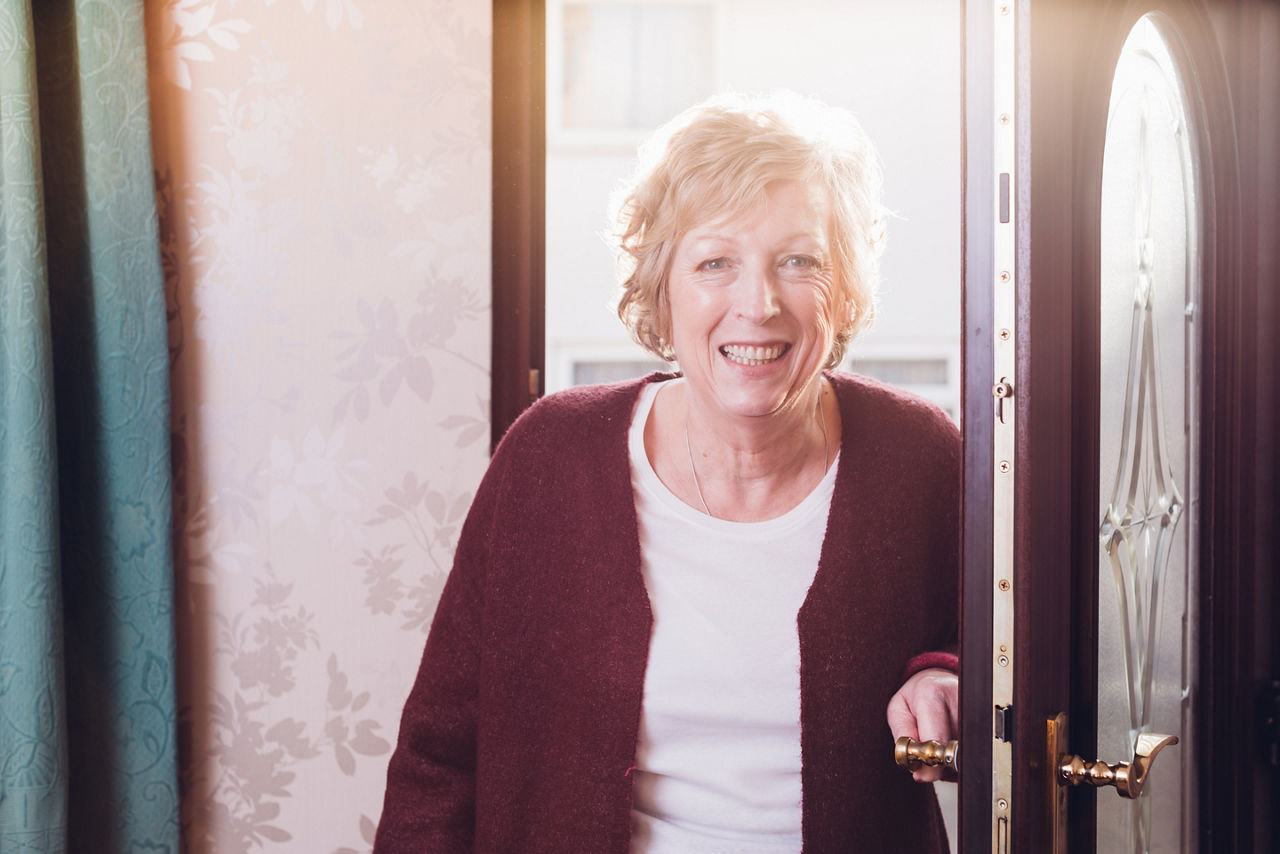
694, 470
688, 448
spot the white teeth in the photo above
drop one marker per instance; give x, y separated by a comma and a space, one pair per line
752, 355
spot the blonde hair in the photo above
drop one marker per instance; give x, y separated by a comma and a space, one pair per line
717, 159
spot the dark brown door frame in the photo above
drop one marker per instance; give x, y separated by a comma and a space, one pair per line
517, 369
1042, 400
1261, 203
1067, 54
978, 419
1238, 786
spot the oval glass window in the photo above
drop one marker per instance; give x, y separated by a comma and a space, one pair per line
1150, 284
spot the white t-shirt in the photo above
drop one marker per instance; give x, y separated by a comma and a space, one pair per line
718, 760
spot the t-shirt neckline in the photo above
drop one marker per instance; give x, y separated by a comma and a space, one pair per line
817, 501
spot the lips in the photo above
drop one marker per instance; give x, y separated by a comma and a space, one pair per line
752, 356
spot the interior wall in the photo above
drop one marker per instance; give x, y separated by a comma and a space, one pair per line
323, 175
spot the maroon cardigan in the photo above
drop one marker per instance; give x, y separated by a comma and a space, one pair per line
520, 732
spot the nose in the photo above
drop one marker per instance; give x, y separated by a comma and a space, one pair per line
757, 294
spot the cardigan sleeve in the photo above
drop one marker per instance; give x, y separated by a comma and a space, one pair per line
430, 797
944, 659
943, 463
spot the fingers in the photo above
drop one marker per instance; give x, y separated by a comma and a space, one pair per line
932, 721
926, 708
902, 721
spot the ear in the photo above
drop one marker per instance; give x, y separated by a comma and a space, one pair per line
850, 312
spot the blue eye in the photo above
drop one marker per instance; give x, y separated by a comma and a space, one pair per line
714, 264
800, 262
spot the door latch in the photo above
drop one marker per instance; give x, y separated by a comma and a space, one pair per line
1003, 723
1001, 391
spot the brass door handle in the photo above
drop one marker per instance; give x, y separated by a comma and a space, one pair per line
1127, 777
912, 754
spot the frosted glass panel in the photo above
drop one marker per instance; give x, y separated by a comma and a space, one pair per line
1151, 222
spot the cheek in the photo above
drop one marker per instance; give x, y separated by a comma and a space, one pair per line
683, 329
694, 310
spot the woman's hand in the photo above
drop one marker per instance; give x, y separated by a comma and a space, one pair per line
927, 708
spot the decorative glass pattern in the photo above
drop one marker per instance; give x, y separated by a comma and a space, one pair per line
1139, 521
1150, 264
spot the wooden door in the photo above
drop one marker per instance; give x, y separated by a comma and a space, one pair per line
1119, 420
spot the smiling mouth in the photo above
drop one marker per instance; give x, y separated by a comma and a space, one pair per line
753, 356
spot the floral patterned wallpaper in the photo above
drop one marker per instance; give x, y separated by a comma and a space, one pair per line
322, 169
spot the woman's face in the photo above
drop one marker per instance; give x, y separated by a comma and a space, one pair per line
753, 303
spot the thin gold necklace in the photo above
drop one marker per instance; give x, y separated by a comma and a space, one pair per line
826, 453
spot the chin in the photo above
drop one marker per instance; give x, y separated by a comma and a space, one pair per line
755, 405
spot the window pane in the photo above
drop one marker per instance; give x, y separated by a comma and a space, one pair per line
1148, 431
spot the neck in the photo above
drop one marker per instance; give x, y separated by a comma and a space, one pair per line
759, 468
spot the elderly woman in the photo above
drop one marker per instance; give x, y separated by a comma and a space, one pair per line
681, 605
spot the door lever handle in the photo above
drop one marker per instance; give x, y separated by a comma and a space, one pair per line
1127, 777
912, 754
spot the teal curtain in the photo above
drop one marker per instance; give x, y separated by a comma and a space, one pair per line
87, 715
